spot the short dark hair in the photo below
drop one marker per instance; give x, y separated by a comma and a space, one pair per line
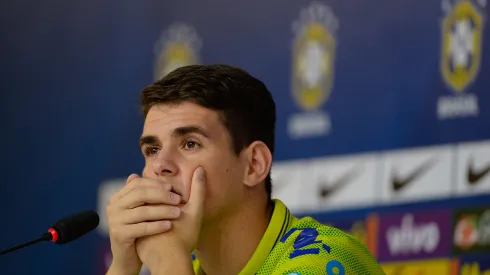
246, 105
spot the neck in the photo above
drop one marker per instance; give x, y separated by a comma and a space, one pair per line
227, 246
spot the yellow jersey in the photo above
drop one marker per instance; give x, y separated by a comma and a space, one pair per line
293, 246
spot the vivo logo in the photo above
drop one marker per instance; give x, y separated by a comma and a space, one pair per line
409, 238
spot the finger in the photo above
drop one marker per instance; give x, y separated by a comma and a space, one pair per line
131, 178
198, 191
142, 229
134, 183
119, 194
151, 213
142, 195
142, 182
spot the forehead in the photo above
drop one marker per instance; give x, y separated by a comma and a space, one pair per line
167, 117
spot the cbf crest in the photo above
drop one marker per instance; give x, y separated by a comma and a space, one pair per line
462, 31
314, 55
314, 50
178, 46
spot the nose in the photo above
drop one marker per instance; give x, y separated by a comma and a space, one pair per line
164, 165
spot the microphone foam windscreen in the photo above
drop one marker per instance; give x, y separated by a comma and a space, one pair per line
75, 226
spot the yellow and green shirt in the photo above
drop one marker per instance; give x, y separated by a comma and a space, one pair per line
292, 246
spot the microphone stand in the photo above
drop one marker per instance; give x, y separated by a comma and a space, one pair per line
46, 237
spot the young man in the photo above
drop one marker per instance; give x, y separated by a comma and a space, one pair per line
208, 141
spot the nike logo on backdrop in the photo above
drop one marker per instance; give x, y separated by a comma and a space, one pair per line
398, 183
473, 176
327, 189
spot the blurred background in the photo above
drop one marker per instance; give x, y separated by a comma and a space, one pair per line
383, 117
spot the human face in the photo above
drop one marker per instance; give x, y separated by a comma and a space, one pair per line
179, 138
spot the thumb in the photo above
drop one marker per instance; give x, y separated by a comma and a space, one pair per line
131, 178
198, 190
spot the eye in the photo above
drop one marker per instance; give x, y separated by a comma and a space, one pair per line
151, 150
190, 145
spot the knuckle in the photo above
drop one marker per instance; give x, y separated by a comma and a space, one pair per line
143, 229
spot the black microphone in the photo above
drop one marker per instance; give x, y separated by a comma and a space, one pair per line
65, 230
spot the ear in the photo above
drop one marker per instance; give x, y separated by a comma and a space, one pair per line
259, 160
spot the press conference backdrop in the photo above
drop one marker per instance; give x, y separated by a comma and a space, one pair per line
383, 116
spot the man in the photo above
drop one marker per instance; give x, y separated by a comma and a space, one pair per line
203, 203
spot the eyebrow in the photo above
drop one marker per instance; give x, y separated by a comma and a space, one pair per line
182, 131
177, 132
146, 140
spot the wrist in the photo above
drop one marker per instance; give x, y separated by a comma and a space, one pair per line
173, 261
117, 269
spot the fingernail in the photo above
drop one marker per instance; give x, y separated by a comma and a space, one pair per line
167, 186
200, 173
166, 224
175, 197
175, 210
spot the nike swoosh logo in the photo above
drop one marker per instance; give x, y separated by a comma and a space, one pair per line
327, 189
398, 183
473, 176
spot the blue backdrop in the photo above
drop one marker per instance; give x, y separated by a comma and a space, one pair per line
71, 73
